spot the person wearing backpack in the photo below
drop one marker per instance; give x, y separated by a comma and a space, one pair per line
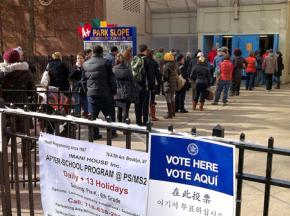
145, 83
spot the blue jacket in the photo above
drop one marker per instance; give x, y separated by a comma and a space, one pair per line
217, 60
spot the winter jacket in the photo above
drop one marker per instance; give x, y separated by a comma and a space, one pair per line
238, 63
280, 66
201, 74
99, 77
157, 76
226, 70
111, 58
259, 61
16, 76
58, 73
251, 65
125, 83
184, 73
170, 77
148, 80
76, 77
217, 60
270, 65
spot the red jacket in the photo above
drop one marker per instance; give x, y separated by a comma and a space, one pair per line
226, 70
251, 65
211, 56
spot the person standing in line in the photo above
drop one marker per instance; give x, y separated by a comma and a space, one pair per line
155, 68
88, 54
145, 81
239, 63
280, 66
78, 86
170, 76
180, 95
211, 55
101, 86
111, 56
224, 80
250, 71
58, 72
216, 63
259, 74
269, 66
201, 76
125, 87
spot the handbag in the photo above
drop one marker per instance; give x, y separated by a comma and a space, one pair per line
180, 82
45, 79
209, 94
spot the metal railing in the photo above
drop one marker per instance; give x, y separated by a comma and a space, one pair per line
19, 172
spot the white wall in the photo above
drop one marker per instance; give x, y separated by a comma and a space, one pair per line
116, 14
174, 31
261, 19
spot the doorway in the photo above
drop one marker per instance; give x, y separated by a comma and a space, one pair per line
208, 41
266, 43
227, 42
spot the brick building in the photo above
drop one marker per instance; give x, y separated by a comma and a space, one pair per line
55, 25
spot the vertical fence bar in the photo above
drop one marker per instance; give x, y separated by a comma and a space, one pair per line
5, 170
90, 130
148, 128
15, 164
128, 135
218, 131
109, 131
268, 177
240, 174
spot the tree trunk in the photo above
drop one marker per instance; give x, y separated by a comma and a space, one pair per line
1, 28
31, 38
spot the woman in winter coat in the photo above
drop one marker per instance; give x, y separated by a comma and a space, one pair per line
79, 86
125, 87
251, 71
239, 63
170, 76
180, 95
58, 72
270, 67
201, 75
280, 66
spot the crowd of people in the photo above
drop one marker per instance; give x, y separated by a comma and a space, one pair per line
119, 79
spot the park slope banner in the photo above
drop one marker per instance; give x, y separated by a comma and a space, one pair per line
190, 177
87, 179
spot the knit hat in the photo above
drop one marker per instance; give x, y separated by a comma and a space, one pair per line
19, 50
168, 57
11, 56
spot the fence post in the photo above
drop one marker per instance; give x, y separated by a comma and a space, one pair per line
148, 128
170, 128
193, 131
128, 135
239, 175
91, 129
218, 131
268, 177
109, 131
4, 171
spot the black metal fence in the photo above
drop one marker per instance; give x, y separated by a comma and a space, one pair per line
20, 171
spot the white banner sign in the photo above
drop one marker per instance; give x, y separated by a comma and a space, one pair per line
79, 178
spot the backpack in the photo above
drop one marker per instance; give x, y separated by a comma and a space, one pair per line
137, 66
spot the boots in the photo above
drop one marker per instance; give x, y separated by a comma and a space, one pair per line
193, 105
201, 106
169, 114
153, 112
173, 109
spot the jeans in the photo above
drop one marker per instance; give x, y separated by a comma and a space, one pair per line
123, 110
101, 104
200, 92
81, 101
235, 87
269, 81
222, 86
142, 108
278, 81
259, 77
250, 81
179, 99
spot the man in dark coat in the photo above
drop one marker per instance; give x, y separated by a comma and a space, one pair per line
146, 85
101, 86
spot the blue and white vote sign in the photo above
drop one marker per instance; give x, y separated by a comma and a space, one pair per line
190, 177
